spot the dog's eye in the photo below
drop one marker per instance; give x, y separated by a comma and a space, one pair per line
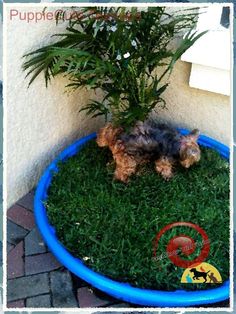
193, 151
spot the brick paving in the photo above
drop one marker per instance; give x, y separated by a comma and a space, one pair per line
21, 216
15, 266
87, 298
35, 278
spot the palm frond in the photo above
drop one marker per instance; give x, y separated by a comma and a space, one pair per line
118, 50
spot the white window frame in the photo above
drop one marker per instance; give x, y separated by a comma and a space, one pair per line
211, 54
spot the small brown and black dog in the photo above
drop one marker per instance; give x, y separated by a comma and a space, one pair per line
146, 142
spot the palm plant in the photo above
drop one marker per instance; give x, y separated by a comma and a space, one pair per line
118, 50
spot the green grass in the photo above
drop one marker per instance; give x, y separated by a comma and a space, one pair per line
112, 225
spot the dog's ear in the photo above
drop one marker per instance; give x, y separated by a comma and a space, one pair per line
194, 135
102, 135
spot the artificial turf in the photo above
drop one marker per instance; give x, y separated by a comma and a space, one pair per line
111, 226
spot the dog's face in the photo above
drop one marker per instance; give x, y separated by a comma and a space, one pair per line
107, 135
189, 149
193, 270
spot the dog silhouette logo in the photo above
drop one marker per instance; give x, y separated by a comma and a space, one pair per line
201, 273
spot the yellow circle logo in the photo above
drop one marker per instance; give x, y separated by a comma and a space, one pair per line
201, 273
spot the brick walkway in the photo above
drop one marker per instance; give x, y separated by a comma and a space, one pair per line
35, 278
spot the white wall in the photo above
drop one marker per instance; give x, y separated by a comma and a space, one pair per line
40, 122
194, 108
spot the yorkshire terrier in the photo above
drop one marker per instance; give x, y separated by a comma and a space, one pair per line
146, 142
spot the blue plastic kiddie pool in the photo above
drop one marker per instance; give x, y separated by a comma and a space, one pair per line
119, 290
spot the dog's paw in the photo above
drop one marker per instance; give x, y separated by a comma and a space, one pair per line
118, 176
167, 176
164, 167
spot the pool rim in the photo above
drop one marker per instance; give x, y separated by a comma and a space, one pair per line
119, 290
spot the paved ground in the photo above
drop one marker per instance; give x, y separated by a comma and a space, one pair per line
35, 278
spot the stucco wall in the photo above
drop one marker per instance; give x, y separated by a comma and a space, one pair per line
194, 108
40, 122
